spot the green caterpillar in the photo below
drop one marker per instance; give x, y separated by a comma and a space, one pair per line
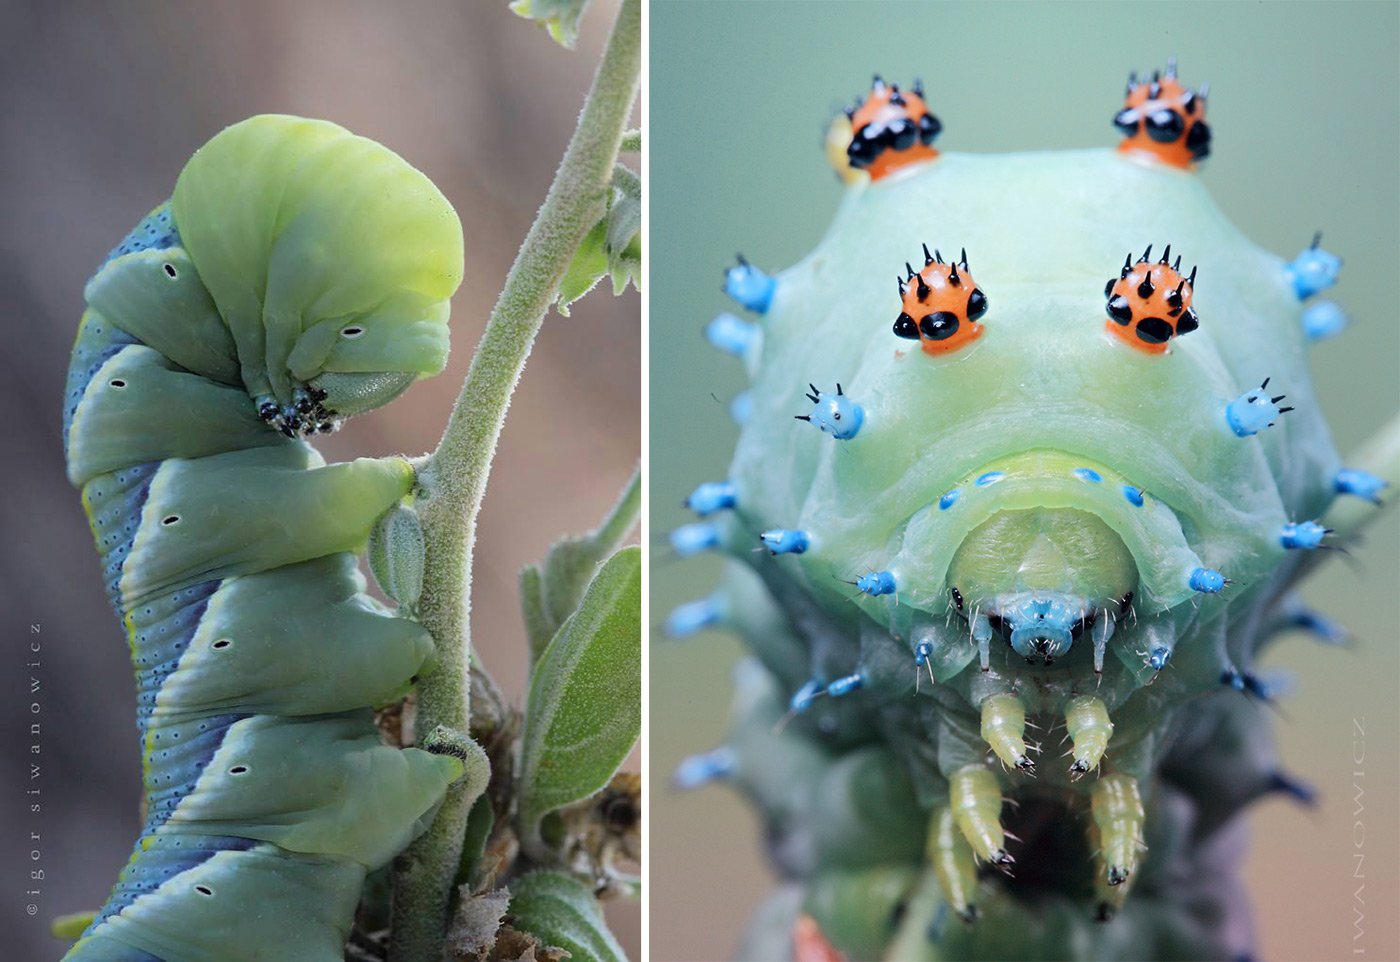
1032, 489
299, 274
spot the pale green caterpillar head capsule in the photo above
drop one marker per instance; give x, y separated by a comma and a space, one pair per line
335, 307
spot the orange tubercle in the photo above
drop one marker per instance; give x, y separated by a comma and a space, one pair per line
1164, 120
1150, 303
890, 130
940, 305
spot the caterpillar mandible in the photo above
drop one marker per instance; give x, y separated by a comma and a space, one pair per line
299, 274
1081, 524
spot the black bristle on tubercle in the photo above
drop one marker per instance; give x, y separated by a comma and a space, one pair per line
1191, 281
1127, 266
928, 258
962, 259
1145, 255
1166, 255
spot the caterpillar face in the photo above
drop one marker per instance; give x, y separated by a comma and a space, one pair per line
890, 129
1037, 528
1164, 119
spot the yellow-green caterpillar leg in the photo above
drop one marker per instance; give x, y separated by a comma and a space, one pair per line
975, 800
1004, 729
1118, 822
953, 864
1089, 726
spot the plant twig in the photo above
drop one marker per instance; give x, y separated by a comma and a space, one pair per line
454, 479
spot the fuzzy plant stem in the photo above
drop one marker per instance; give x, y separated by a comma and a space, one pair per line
454, 479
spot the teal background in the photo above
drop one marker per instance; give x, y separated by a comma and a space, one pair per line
1305, 107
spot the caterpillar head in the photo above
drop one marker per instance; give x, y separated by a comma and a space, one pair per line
888, 130
1150, 303
941, 304
333, 309
1164, 120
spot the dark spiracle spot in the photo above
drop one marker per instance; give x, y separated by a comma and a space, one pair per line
1119, 309
619, 813
904, 326
939, 326
976, 304
204, 890
238, 770
1165, 126
169, 271
117, 382
1154, 330
170, 519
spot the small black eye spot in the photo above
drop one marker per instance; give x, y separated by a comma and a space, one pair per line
939, 326
1165, 126
957, 598
1125, 603
1154, 330
117, 382
1119, 309
976, 304
170, 271
905, 327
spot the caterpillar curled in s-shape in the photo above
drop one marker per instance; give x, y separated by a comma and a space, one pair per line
299, 274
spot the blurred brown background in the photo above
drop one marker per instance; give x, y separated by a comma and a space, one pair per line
100, 106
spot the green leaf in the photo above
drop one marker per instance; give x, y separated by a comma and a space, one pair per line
561, 911
550, 593
584, 709
559, 17
587, 268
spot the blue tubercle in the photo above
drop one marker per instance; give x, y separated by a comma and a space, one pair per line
690, 539
1323, 320
803, 697
844, 686
989, 479
836, 414
1158, 657
694, 616
1254, 410
1306, 535
923, 651
748, 285
1087, 474
877, 583
741, 408
1361, 484
1314, 270
1207, 581
712, 496
786, 540
949, 499
698, 770
1133, 495
731, 334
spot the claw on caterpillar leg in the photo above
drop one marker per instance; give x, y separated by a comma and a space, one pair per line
953, 864
1004, 729
974, 797
1090, 728
1118, 820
